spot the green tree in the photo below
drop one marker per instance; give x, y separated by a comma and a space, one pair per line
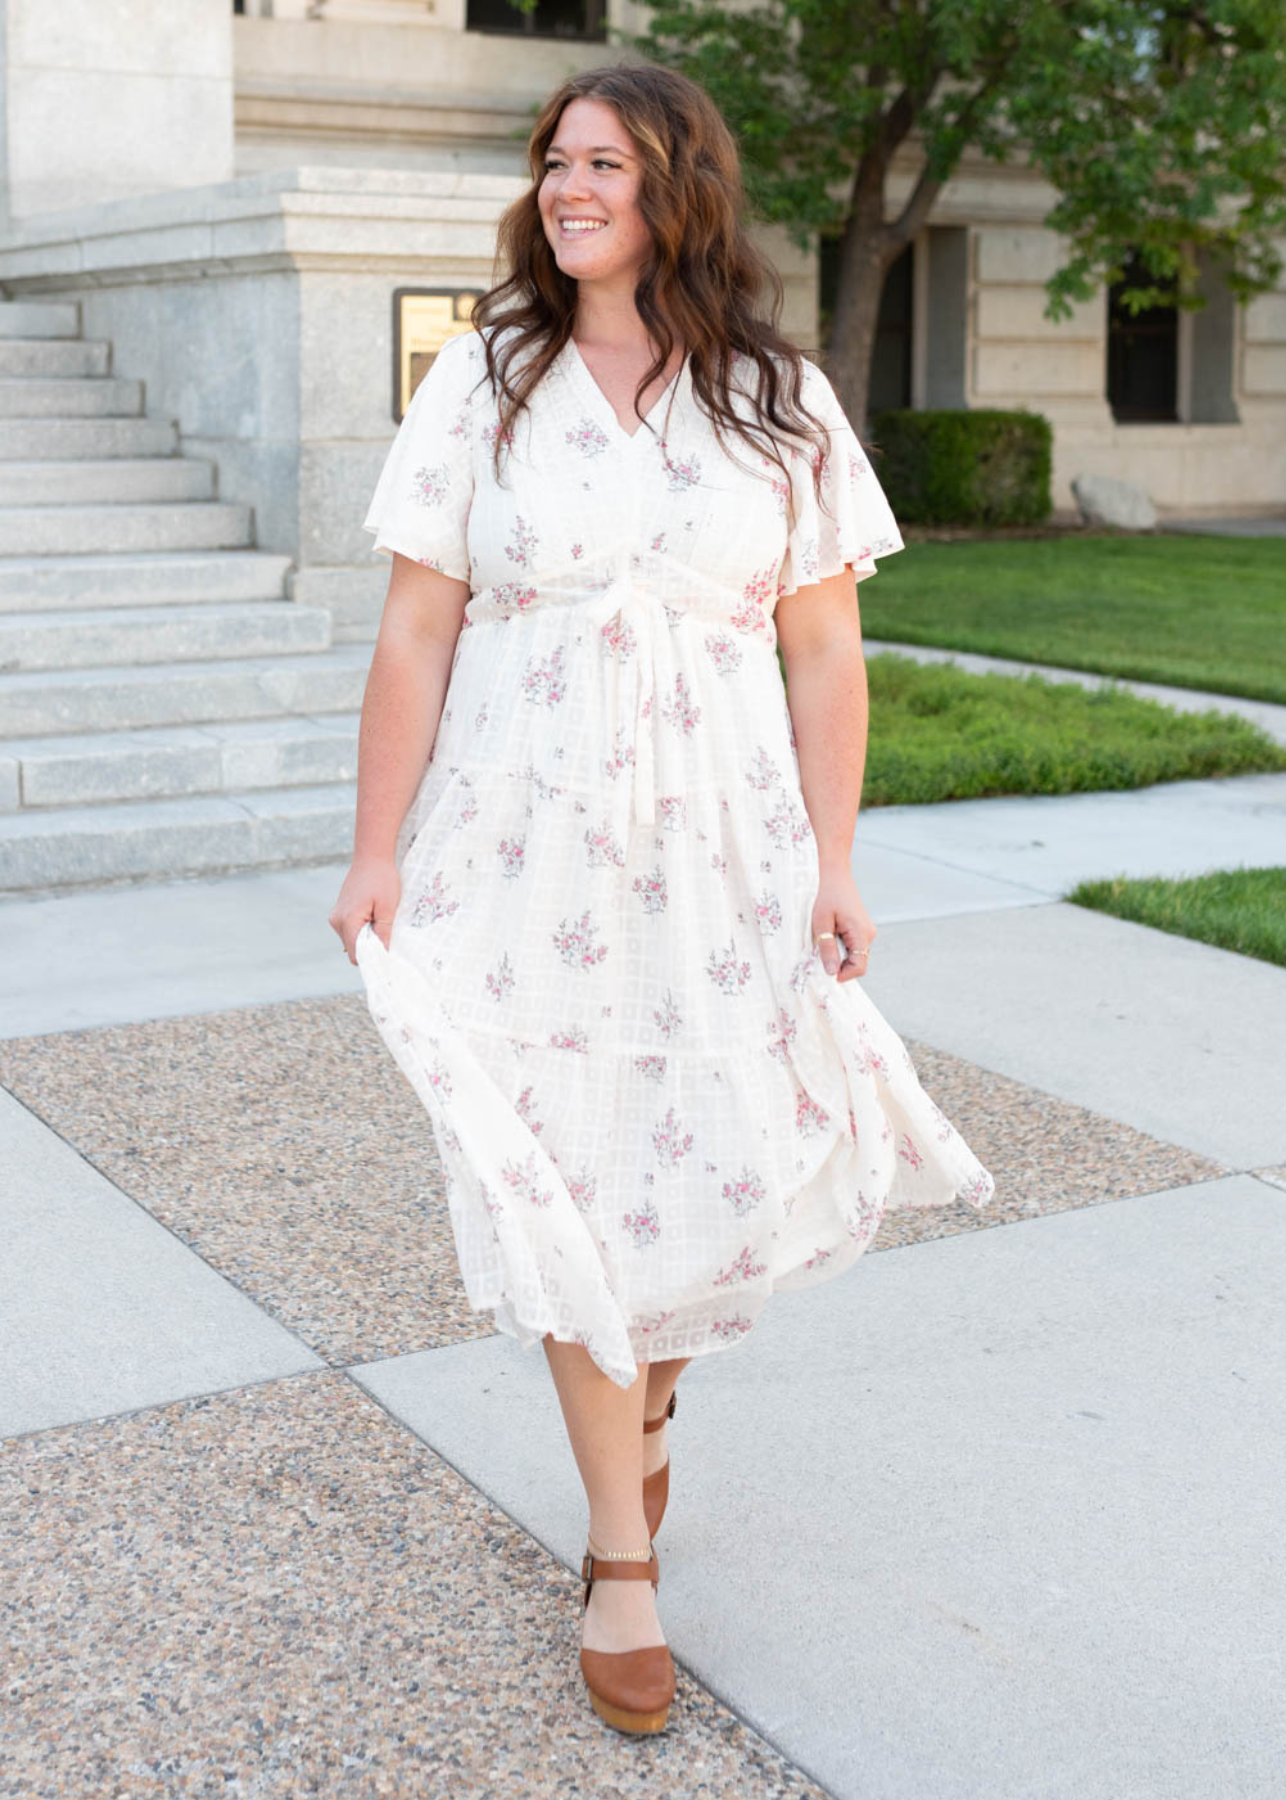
1161, 127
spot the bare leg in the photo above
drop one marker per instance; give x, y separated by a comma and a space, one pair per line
661, 1377
605, 1425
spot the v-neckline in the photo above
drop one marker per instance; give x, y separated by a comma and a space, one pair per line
590, 382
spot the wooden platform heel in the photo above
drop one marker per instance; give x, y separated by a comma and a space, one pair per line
629, 1689
656, 1486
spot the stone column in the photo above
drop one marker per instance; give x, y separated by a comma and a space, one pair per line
101, 102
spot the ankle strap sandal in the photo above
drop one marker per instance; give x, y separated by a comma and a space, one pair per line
630, 1690
656, 1486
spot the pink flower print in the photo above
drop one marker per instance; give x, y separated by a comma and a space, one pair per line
723, 652
670, 1140
439, 1080
523, 1106
719, 864
545, 682
674, 615
468, 804
780, 489
818, 1257
652, 1068
876, 1063
522, 543
654, 1321
857, 466
669, 1019
781, 1034
573, 1039
578, 550
764, 774
750, 614
492, 431
604, 851
681, 472
433, 903
500, 979
745, 1193
651, 890
852, 1124
574, 943
622, 754
978, 1189
727, 971
807, 562
643, 1226
619, 638
946, 1130
512, 596
459, 426
909, 1151
799, 975
658, 542
680, 711
480, 717
674, 811
742, 1268
588, 438
789, 824
512, 852
494, 1206
431, 485
582, 1189
768, 912
525, 1182
810, 1118
728, 1329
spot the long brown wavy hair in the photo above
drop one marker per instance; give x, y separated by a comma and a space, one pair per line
703, 285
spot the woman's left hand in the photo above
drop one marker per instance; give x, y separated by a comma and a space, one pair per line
838, 908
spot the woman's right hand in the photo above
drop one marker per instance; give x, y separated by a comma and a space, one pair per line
371, 891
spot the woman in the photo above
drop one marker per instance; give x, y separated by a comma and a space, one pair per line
601, 929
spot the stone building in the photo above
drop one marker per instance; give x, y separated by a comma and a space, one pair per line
208, 210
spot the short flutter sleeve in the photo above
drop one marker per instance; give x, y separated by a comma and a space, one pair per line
857, 524
421, 502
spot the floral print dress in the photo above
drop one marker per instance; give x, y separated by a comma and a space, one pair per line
653, 1106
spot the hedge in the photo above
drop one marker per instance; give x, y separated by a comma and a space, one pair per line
964, 468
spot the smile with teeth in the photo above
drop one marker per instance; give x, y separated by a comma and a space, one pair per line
581, 224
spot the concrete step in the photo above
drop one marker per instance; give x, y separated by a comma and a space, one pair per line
69, 701
170, 761
73, 530
159, 634
106, 481
155, 839
54, 356
33, 397
59, 439
39, 319
150, 578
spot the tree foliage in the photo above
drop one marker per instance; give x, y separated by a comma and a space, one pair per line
1160, 125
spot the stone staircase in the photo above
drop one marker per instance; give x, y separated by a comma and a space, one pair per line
165, 710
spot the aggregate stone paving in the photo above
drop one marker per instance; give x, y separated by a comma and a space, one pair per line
283, 1144
280, 1592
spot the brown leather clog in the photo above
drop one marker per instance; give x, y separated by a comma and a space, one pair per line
630, 1689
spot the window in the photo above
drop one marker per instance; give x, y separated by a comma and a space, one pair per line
585, 19
1142, 355
891, 357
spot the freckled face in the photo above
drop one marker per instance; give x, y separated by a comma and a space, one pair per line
588, 197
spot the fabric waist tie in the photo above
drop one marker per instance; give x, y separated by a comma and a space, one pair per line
639, 612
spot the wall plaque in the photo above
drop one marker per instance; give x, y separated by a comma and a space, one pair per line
423, 320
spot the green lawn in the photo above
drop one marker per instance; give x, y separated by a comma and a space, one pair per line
1204, 612
1237, 909
940, 733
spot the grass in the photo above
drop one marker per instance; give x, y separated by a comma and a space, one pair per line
941, 733
1236, 909
1201, 612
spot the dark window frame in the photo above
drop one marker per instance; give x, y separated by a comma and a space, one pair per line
1142, 374
592, 30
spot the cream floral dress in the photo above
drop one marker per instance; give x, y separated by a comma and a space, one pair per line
653, 1106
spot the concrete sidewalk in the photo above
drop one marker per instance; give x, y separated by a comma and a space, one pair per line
994, 1516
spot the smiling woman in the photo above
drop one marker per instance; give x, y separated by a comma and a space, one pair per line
602, 879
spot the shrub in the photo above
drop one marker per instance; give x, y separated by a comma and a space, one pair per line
965, 468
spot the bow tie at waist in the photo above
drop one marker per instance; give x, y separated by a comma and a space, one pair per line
642, 614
